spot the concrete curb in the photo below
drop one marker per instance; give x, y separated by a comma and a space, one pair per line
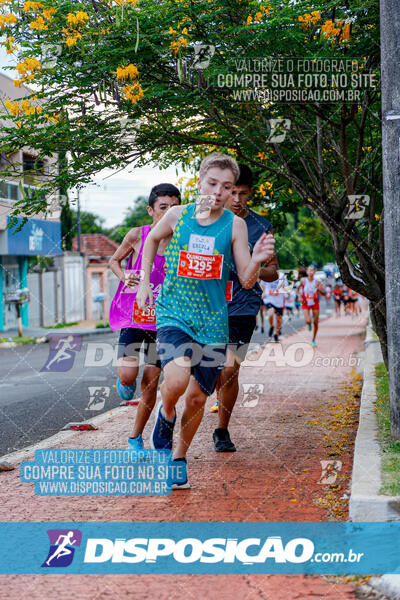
366, 504
78, 331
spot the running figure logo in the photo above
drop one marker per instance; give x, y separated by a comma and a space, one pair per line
251, 394
203, 206
203, 55
357, 206
62, 353
62, 547
330, 470
279, 129
98, 397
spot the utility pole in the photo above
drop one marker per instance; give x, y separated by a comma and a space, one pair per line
78, 221
390, 61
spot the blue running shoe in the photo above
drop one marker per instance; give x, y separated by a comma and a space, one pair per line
136, 443
126, 391
309, 326
178, 471
313, 343
163, 431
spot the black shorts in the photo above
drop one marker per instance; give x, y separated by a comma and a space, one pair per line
131, 340
241, 329
173, 343
279, 311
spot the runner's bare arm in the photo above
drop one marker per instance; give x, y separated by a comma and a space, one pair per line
125, 249
321, 288
270, 270
247, 266
164, 229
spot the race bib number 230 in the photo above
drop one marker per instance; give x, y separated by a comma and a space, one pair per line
146, 316
200, 266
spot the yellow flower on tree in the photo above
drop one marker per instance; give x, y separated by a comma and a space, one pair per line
25, 108
79, 18
72, 36
310, 19
336, 31
27, 70
39, 24
258, 16
131, 3
10, 48
129, 72
49, 12
133, 92
34, 6
6, 20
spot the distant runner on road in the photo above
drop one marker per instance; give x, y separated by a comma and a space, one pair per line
310, 288
274, 301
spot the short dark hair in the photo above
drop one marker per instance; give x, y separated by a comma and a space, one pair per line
163, 189
245, 175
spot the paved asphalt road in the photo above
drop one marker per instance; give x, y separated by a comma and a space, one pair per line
36, 403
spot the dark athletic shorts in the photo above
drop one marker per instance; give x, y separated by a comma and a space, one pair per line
241, 329
131, 340
279, 311
173, 343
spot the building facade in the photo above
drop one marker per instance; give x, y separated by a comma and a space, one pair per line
101, 283
39, 237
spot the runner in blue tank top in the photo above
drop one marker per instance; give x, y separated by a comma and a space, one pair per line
243, 306
192, 319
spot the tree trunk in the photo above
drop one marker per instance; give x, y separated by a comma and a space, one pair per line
379, 326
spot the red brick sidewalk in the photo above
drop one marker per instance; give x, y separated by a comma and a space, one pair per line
304, 415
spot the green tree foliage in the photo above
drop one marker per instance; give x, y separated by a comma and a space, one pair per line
303, 242
90, 222
135, 216
123, 87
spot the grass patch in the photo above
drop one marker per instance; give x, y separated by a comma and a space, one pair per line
62, 325
102, 325
18, 340
390, 446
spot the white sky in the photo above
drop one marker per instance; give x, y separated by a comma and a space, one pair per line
113, 195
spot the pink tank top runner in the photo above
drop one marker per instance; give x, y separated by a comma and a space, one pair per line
123, 309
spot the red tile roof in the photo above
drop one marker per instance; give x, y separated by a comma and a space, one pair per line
95, 244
